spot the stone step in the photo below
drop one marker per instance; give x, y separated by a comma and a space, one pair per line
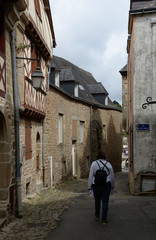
3, 213
2, 221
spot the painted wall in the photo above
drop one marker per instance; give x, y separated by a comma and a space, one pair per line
142, 84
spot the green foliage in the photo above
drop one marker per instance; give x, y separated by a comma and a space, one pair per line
21, 47
124, 134
117, 104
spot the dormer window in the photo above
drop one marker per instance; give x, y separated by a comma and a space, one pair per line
57, 78
106, 100
76, 89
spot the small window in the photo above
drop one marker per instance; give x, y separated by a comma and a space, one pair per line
106, 100
37, 8
35, 55
60, 128
76, 90
28, 150
57, 78
104, 132
2, 32
81, 132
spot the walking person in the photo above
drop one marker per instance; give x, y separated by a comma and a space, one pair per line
101, 181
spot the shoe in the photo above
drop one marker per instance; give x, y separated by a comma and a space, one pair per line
97, 218
104, 223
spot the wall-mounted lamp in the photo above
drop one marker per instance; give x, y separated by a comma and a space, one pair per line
37, 79
37, 76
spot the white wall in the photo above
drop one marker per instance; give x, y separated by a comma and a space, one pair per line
144, 86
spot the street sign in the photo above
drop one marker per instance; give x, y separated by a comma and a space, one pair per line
143, 127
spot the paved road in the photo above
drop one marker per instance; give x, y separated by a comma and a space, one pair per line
129, 217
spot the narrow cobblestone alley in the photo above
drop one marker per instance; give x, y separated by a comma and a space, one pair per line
129, 217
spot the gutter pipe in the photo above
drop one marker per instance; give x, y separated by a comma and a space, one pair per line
90, 134
142, 11
43, 152
16, 112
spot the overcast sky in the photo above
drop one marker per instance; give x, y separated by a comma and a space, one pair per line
92, 34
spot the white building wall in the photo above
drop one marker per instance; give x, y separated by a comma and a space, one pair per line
144, 85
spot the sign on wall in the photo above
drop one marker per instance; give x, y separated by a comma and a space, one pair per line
143, 127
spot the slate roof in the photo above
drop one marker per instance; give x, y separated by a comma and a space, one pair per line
66, 75
96, 88
87, 83
123, 71
136, 4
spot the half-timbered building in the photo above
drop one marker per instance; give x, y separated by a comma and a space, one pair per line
26, 43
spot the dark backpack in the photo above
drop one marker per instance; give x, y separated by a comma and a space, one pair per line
101, 175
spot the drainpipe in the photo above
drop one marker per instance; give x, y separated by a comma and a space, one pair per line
16, 112
43, 152
90, 134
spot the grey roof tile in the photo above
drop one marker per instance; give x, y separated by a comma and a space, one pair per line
87, 83
136, 5
96, 88
123, 71
66, 74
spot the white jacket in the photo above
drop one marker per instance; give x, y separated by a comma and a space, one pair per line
94, 167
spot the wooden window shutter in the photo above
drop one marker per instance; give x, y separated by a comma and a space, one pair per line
37, 7
2, 37
28, 149
74, 129
34, 55
2, 55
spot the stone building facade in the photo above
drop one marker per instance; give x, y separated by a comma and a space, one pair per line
10, 13
24, 25
141, 84
77, 126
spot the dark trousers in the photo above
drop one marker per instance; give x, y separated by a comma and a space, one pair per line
101, 193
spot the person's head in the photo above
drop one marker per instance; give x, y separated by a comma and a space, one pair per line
101, 155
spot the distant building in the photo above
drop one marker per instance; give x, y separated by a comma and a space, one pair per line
80, 120
123, 72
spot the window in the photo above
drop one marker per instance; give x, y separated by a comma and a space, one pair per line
57, 79
28, 150
37, 8
104, 133
35, 55
106, 100
81, 132
2, 40
74, 129
76, 90
60, 128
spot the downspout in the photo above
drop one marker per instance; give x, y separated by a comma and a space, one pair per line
16, 112
43, 152
90, 134
43, 137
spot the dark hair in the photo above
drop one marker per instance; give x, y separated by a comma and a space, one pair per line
101, 155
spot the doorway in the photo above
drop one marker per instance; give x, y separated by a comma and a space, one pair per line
74, 159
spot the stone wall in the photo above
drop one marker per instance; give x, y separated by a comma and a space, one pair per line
7, 140
106, 134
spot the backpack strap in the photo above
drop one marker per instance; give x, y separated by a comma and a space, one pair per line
98, 165
105, 166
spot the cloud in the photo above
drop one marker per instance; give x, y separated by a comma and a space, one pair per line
92, 35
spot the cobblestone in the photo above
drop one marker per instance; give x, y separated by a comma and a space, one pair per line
42, 212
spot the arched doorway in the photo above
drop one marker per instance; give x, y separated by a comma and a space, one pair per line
39, 182
5, 168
